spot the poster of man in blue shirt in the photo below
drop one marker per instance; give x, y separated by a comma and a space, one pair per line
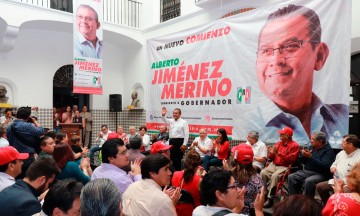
87, 44
290, 51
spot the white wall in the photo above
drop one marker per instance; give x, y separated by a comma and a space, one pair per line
37, 55
355, 21
150, 13
43, 44
32, 64
355, 27
113, 76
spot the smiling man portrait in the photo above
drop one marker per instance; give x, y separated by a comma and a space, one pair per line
289, 51
87, 44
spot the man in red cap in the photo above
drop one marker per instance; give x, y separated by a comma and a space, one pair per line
283, 153
160, 148
11, 162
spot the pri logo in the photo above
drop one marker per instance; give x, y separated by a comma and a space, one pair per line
243, 95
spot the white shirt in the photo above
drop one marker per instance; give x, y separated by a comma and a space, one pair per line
178, 129
3, 142
145, 197
6, 180
102, 140
205, 143
146, 142
344, 163
3, 119
260, 150
85, 48
211, 210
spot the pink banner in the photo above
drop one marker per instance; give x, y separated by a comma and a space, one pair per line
88, 46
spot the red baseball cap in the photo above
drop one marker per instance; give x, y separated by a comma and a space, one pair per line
159, 146
113, 135
243, 153
286, 130
9, 153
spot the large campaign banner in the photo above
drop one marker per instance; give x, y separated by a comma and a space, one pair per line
88, 46
280, 65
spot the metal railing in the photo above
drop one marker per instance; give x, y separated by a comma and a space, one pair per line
121, 12
169, 9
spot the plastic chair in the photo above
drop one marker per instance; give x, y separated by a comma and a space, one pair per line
281, 186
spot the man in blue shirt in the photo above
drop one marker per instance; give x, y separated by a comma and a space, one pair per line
24, 134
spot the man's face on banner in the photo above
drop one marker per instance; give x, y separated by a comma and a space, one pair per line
286, 60
86, 23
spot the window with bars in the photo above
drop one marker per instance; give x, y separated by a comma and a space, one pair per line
169, 9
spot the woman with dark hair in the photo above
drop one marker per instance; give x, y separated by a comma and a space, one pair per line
342, 203
61, 138
297, 205
245, 175
219, 152
189, 180
64, 158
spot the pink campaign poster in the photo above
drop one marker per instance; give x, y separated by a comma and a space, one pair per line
88, 46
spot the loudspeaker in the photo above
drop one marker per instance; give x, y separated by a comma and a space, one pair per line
115, 103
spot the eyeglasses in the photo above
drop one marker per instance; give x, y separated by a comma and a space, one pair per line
288, 50
233, 186
87, 18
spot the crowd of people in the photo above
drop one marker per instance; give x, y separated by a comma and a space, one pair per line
48, 173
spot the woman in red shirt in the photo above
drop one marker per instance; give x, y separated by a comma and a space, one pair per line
219, 152
342, 203
189, 180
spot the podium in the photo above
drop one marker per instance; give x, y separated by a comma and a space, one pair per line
71, 129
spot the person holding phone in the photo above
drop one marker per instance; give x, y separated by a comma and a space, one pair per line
345, 160
342, 203
24, 134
